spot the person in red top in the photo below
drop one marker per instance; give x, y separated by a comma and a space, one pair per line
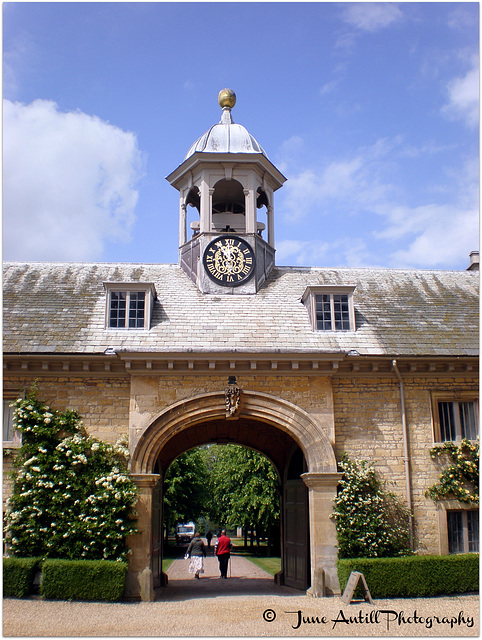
222, 549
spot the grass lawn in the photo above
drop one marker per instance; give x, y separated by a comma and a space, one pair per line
258, 556
270, 565
170, 554
166, 563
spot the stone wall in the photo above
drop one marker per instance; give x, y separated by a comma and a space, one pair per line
360, 415
102, 402
369, 426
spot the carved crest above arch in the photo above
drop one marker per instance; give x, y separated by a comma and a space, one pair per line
304, 429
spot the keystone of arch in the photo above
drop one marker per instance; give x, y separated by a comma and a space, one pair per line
284, 415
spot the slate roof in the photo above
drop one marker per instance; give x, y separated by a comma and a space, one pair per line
60, 308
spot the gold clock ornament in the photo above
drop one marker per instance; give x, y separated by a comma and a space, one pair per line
229, 261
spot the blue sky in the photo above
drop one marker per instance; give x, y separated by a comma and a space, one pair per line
370, 110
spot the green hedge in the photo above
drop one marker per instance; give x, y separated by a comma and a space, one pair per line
83, 579
414, 576
18, 576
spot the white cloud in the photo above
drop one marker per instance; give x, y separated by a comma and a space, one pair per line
461, 18
346, 251
439, 233
362, 202
290, 151
351, 183
328, 87
463, 97
447, 235
371, 16
69, 183
285, 249
21, 58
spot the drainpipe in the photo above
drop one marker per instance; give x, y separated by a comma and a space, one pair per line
406, 459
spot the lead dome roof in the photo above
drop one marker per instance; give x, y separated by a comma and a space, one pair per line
226, 137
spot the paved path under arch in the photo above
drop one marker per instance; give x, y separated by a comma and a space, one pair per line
245, 578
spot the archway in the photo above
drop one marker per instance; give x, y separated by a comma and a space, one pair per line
266, 423
224, 486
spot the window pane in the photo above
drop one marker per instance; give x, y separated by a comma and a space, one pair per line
136, 310
473, 530
468, 420
117, 316
323, 312
342, 316
8, 429
455, 532
447, 421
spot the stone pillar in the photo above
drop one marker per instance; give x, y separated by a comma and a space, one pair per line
139, 582
250, 209
323, 541
211, 193
206, 211
270, 221
182, 225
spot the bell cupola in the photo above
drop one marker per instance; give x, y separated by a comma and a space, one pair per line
226, 223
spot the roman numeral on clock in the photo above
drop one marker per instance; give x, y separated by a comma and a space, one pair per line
229, 260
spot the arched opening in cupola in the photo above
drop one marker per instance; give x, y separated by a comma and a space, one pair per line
262, 204
193, 209
228, 206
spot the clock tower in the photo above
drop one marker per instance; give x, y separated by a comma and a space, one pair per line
226, 223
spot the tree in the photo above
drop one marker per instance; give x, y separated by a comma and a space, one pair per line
460, 479
72, 496
369, 522
245, 488
186, 488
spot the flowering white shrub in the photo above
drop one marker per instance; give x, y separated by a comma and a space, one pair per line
72, 495
370, 522
460, 476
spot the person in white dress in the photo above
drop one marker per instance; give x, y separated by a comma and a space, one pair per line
197, 552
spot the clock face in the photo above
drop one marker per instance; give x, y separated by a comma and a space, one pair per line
229, 261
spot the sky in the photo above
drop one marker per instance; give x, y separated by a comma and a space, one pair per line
370, 110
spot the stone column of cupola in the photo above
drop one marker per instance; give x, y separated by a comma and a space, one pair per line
182, 224
206, 207
250, 204
270, 223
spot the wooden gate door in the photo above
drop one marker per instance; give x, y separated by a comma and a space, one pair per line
157, 536
296, 539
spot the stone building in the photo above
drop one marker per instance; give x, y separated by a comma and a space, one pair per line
300, 364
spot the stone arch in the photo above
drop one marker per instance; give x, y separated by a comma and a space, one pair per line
283, 415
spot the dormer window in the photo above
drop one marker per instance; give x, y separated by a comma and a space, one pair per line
330, 308
129, 305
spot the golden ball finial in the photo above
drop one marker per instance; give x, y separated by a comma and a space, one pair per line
227, 98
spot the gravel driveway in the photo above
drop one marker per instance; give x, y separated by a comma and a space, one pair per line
247, 604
